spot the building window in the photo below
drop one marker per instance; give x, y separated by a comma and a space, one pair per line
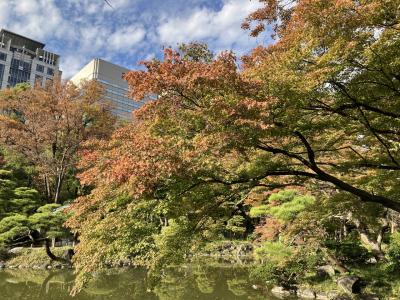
20, 71
1, 74
3, 56
39, 80
50, 71
40, 68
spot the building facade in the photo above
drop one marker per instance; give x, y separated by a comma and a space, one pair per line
25, 60
116, 91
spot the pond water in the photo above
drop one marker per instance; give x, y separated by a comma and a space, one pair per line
192, 282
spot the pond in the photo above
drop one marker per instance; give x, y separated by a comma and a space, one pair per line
191, 282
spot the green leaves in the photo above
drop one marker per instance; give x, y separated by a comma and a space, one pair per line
284, 205
15, 198
236, 225
12, 227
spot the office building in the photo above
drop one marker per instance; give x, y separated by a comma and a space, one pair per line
116, 89
25, 60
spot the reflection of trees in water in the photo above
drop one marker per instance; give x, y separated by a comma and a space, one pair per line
34, 284
204, 282
65, 279
238, 286
192, 282
170, 287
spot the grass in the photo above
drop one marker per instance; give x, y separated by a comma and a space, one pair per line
380, 279
33, 257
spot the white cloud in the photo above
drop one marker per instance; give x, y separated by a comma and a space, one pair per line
220, 28
5, 8
133, 30
71, 64
35, 18
125, 38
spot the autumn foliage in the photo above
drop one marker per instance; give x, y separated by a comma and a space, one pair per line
317, 109
47, 126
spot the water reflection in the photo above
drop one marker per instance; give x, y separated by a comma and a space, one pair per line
192, 282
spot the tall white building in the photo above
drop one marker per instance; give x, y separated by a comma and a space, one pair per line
25, 60
116, 89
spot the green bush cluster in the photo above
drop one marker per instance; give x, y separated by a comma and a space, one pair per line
283, 265
394, 249
349, 251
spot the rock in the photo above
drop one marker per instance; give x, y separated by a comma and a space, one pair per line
44, 266
372, 260
322, 296
49, 267
324, 271
2, 265
326, 295
350, 284
245, 250
280, 291
342, 297
333, 294
16, 250
369, 297
305, 293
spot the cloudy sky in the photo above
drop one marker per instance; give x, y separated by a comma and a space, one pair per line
132, 30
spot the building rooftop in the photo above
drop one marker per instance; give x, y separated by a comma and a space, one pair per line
20, 41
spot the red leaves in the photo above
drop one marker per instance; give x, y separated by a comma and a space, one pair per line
132, 158
175, 75
47, 125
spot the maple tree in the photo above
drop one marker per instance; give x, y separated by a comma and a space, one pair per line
47, 125
318, 109
337, 93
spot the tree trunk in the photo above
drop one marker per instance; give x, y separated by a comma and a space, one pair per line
47, 187
58, 189
335, 262
373, 244
60, 179
51, 255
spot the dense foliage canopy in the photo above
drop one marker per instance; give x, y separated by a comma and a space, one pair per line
318, 109
293, 148
47, 125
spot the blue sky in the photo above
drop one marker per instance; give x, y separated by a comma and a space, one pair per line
133, 30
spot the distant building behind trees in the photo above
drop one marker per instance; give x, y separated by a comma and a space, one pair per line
25, 60
110, 76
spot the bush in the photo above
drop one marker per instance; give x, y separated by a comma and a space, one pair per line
275, 252
349, 252
4, 254
290, 273
394, 249
283, 265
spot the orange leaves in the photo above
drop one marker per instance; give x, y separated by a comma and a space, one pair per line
268, 230
132, 158
175, 76
48, 125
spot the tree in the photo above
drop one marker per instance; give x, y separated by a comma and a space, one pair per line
337, 93
316, 109
47, 126
15, 197
44, 223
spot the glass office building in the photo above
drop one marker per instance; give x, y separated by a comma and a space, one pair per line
25, 60
116, 89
